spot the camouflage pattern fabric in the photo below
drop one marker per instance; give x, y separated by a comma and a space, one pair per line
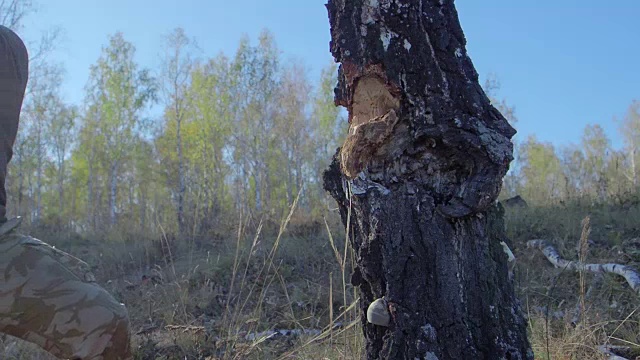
50, 298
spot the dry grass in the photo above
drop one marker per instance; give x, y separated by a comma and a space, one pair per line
201, 299
572, 314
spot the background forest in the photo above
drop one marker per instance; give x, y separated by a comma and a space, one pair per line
214, 210
240, 133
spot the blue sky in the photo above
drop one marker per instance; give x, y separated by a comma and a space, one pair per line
562, 64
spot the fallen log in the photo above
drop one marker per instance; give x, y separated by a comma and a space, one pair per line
629, 273
612, 352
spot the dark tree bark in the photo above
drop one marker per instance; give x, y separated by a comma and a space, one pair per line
419, 174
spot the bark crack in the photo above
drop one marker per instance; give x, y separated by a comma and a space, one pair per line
446, 92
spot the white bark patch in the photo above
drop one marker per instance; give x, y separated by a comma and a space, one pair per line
367, 17
431, 356
429, 332
458, 53
497, 145
407, 44
363, 30
361, 185
371, 10
369, 13
508, 251
385, 37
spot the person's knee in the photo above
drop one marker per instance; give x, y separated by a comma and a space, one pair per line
105, 326
120, 345
56, 303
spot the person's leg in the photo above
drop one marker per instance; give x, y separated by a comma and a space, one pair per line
50, 298
14, 69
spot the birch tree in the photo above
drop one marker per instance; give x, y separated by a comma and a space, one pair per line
630, 132
119, 90
176, 69
61, 131
416, 182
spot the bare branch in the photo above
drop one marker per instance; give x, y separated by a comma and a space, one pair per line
629, 273
14, 11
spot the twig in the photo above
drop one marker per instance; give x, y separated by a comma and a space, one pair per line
186, 328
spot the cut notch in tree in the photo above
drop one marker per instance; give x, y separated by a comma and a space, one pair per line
419, 175
372, 117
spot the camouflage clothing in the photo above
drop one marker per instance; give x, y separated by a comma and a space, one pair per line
47, 297
50, 298
14, 68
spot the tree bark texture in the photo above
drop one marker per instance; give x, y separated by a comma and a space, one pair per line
418, 175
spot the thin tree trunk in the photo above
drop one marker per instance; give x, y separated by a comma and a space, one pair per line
90, 195
20, 189
267, 186
90, 204
143, 209
113, 188
258, 192
289, 185
61, 187
181, 182
419, 174
39, 176
634, 178
31, 198
74, 210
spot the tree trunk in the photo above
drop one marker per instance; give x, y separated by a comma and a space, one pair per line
258, 192
181, 182
419, 174
40, 155
61, 187
113, 192
20, 188
91, 203
634, 178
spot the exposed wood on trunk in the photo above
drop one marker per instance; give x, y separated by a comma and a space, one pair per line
630, 274
419, 173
